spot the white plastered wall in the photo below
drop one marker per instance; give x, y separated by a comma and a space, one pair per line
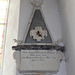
67, 10
19, 15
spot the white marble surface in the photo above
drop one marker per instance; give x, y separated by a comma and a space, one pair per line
41, 60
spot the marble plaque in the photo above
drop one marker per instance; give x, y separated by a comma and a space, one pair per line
40, 60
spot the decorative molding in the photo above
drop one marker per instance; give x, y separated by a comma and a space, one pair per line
36, 3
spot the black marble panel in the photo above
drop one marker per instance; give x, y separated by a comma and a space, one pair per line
38, 47
38, 20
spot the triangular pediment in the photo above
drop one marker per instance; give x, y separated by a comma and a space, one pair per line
37, 21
